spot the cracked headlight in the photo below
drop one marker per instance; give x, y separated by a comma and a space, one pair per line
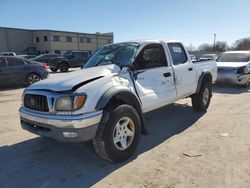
70, 103
242, 70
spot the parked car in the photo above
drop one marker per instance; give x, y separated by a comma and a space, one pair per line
8, 54
105, 101
234, 67
14, 70
72, 59
46, 58
205, 57
193, 58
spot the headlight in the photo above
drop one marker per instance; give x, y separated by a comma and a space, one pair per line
242, 70
70, 103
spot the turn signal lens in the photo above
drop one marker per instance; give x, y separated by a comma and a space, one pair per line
79, 102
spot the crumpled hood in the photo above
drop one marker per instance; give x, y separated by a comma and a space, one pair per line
68, 81
231, 64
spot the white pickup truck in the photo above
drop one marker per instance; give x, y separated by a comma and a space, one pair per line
106, 100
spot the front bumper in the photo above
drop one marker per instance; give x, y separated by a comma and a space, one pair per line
233, 78
63, 128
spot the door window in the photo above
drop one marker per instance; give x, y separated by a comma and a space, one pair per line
15, 62
151, 56
2, 62
178, 53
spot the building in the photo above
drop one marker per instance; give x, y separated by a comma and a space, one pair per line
26, 41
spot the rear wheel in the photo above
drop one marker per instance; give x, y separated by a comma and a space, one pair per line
118, 134
64, 67
201, 100
54, 69
32, 78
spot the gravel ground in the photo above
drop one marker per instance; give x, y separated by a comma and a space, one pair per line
184, 149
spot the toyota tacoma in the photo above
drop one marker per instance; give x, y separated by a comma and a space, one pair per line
105, 101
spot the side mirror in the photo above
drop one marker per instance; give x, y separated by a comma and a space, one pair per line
124, 70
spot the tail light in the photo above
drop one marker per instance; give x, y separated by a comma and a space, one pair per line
44, 65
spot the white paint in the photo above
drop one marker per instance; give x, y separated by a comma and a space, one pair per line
153, 88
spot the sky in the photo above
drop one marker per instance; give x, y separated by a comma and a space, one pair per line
191, 21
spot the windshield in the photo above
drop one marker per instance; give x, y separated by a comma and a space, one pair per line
234, 57
120, 54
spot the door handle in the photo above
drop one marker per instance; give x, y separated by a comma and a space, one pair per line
167, 74
190, 68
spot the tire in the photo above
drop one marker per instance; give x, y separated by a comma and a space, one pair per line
245, 85
64, 67
54, 69
114, 143
201, 100
32, 78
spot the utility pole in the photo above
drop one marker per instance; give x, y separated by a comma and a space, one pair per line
214, 41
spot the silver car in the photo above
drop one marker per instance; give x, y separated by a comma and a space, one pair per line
234, 67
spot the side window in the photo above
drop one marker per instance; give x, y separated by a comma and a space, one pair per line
2, 62
151, 56
178, 53
14, 62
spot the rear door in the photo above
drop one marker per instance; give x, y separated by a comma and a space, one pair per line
185, 73
17, 70
3, 71
154, 78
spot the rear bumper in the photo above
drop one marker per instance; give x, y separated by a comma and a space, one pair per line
63, 128
233, 78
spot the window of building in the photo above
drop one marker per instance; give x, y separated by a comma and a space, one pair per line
45, 38
82, 40
37, 39
69, 39
109, 41
57, 51
178, 53
46, 51
14, 61
38, 52
56, 38
88, 40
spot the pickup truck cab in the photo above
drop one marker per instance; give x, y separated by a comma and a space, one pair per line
106, 100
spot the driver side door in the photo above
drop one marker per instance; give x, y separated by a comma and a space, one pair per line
154, 78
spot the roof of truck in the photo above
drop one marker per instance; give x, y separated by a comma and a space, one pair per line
239, 51
147, 41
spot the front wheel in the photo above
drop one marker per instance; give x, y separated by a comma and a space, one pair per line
118, 134
201, 100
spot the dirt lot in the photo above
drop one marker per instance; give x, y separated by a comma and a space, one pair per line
184, 149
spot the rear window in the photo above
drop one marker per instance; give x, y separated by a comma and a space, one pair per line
178, 53
234, 57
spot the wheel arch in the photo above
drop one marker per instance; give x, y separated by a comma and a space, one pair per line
124, 96
206, 75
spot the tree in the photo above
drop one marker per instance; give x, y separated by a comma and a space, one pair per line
242, 44
220, 46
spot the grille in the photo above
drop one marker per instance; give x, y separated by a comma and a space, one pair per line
36, 102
